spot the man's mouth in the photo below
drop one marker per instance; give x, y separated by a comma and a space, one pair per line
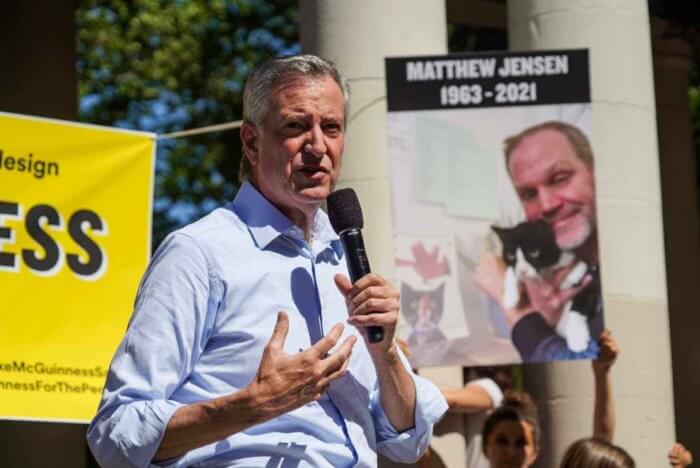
562, 223
313, 171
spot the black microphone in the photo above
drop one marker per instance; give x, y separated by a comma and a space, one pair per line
345, 214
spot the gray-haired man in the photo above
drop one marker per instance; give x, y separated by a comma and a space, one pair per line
237, 353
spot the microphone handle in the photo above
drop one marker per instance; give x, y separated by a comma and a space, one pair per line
358, 266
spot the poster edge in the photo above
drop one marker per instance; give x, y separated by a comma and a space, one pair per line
72, 123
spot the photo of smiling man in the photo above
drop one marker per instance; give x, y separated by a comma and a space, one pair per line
550, 261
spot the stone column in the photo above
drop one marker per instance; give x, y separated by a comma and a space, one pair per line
357, 36
630, 227
672, 59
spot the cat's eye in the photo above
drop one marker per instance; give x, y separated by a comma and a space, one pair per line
534, 253
510, 256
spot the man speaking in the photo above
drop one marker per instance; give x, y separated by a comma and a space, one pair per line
238, 352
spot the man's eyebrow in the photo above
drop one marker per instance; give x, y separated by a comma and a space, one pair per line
560, 166
293, 113
332, 118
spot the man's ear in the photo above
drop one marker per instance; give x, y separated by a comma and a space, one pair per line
249, 138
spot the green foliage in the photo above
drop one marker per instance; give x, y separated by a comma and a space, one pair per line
167, 65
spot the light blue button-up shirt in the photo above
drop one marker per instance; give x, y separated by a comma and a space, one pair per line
204, 312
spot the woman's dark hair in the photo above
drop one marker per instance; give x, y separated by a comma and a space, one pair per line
502, 375
596, 453
517, 406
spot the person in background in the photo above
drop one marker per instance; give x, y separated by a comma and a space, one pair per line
599, 451
594, 452
516, 440
480, 395
511, 434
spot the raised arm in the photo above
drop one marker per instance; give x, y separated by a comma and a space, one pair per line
603, 407
477, 395
373, 301
404, 406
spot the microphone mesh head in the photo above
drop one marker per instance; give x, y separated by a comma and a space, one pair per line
344, 210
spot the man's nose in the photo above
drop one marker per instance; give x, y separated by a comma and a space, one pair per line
549, 200
316, 143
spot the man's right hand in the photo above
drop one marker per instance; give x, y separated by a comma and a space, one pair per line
285, 382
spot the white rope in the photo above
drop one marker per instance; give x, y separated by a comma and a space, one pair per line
201, 130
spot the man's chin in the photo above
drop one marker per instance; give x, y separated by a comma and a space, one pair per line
574, 237
314, 194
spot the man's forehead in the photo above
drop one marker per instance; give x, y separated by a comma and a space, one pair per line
302, 89
542, 151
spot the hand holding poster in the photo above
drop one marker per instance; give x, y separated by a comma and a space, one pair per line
75, 211
491, 155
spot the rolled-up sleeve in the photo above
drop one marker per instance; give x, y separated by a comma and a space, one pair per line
408, 446
166, 333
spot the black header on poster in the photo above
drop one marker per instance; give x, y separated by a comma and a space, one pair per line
489, 79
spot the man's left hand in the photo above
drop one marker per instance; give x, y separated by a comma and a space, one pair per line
548, 299
372, 301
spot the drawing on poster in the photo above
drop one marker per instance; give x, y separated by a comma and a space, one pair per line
428, 288
493, 194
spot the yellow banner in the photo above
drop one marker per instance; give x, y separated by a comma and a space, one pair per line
75, 223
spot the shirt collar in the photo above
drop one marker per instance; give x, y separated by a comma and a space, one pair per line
266, 222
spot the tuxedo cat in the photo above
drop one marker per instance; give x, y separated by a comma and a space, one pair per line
423, 310
530, 251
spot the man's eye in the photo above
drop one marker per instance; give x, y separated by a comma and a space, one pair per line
295, 125
526, 195
332, 129
560, 177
